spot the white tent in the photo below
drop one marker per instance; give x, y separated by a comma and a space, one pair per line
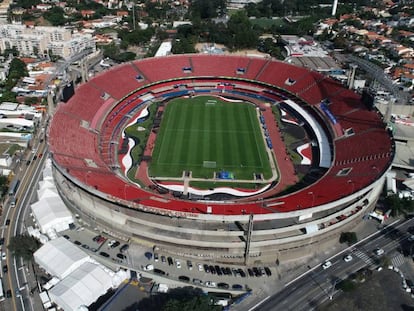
44, 193
60, 257
81, 288
51, 213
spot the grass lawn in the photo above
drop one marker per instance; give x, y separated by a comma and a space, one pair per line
205, 128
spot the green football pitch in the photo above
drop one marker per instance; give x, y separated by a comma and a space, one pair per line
205, 135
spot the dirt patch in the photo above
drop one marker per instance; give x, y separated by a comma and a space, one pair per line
382, 291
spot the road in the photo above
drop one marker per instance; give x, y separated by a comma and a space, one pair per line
318, 285
16, 279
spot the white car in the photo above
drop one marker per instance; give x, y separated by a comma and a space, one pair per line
200, 267
347, 258
326, 265
379, 251
178, 264
210, 284
110, 243
149, 268
3, 256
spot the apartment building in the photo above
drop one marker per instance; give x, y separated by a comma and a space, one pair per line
40, 40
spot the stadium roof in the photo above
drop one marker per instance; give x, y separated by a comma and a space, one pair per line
59, 257
81, 287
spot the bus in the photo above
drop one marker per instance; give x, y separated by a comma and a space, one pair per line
1, 290
14, 186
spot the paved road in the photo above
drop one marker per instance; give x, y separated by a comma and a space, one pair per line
16, 278
318, 285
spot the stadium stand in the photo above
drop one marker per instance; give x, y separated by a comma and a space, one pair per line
121, 82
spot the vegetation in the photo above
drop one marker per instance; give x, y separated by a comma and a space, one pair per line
399, 206
23, 246
4, 185
227, 134
114, 52
348, 237
56, 16
179, 299
346, 285
16, 72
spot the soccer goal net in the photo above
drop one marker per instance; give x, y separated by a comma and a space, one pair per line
209, 164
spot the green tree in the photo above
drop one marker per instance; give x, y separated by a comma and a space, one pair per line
346, 285
399, 205
348, 237
55, 16
23, 246
199, 303
242, 32
4, 185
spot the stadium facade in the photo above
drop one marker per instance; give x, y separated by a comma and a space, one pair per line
350, 151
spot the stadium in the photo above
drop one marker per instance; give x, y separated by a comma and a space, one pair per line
224, 158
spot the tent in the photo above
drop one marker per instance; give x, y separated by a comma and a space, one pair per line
81, 287
51, 213
60, 257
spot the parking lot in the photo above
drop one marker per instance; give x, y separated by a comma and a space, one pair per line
166, 268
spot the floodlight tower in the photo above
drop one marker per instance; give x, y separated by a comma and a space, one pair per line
334, 7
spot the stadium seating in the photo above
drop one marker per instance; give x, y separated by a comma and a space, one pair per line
225, 66
120, 82
163, 68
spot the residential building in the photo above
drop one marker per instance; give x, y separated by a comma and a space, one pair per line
40, 40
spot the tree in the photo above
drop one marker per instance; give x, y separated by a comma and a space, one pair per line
23, 246
199, 303
55, 16
242, 32
4, 185
348, 237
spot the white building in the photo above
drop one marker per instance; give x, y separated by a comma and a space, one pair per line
40, 39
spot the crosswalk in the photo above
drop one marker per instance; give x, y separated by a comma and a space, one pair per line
363, 256
398, 260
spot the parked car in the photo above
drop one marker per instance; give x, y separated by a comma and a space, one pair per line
189, 265
197, 282
200, 267
267, 270
149, 267
159, 271
5, 269
156, 257
184, 278
103, 254
121, 256
124, 248
237, 286
178, 264
210, 284
116, 244
223, 285
170, 261
250, 272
